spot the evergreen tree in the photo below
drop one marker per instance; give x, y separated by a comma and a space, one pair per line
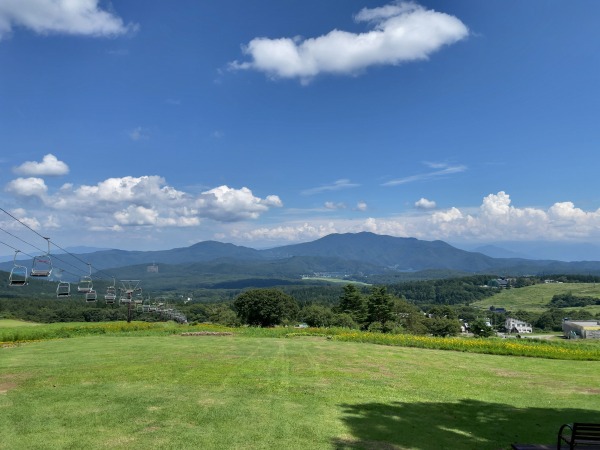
379, 306
353, 304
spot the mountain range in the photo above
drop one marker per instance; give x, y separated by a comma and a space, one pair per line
360, 255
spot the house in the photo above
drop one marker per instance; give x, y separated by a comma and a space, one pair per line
584, 329
517, 326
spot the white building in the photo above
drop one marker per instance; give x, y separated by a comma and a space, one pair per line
586, 329
517, 326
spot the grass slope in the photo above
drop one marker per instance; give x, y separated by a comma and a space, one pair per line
536, 298
227, 392
11, 323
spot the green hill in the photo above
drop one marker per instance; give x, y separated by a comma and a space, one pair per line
536, 298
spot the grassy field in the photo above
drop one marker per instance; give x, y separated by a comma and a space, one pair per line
234, 392
535, 298
10, 323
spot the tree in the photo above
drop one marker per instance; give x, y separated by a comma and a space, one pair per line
379, 306
441, 326
353, 303
480, 328
317, 316
265, 307
345, 321
409, 317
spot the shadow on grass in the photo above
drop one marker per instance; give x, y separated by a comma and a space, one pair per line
468, 424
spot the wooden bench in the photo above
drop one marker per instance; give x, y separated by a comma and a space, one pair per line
577, 436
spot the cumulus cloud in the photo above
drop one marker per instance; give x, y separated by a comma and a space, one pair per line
441, 169
496, 219
27, 187
115, 203
423, 203
50, 167
76, 17
231, 205
290, 232
335, 186
399, 32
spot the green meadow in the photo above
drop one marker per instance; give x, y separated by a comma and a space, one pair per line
156, 388
11, 323
536, 298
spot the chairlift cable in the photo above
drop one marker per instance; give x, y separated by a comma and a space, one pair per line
53, 243
22, 240
15, 249
47, 239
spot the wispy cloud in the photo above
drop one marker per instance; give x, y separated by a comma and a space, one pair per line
334, 206
442, 169
400, 32
338, 185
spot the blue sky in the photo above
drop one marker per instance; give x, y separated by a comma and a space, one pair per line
153, 125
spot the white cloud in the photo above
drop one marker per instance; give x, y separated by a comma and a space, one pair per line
335, 186
77, 17
137, 215
495, 220
116, 203
424, 203
292, 232
442, 169
27, 187
361, 206
50, 166
400, 32
231, 205
334, 206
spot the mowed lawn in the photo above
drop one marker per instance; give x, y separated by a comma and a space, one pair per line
231, 392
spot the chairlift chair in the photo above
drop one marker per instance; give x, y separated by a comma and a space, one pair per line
85, 282
63, 289
91, 296
111, 294
125, 297
18, 274
42, 264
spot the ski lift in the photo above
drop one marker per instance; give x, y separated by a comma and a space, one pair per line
85, 283
42, 264
18, 274
63, 289
91, 296
127, 292
111, 294
125, 297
